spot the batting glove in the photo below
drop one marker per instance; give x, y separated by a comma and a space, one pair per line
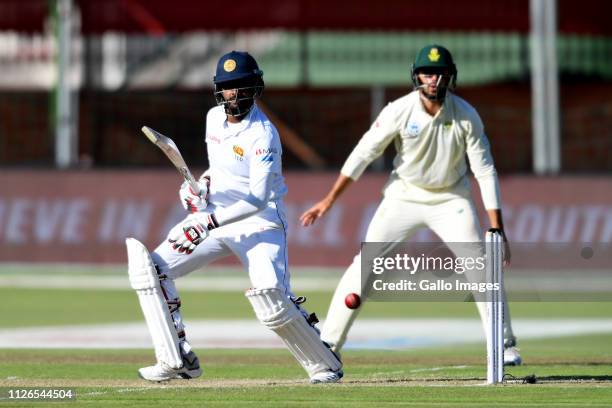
187, 236
194, 201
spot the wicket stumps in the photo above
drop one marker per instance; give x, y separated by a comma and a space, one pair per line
495, 307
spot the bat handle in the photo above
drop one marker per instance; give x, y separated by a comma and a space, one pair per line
188, 177
195, 186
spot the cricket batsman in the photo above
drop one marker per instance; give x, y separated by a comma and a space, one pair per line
434, 131
238, 211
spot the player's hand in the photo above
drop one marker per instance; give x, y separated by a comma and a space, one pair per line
187, 236
507, 255
315, 212
194, 201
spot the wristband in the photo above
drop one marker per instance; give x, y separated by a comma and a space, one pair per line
212, 222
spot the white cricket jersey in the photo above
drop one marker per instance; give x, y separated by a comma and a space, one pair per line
430, 165
246, 181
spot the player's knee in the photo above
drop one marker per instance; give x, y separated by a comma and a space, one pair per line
284, 316
272, 307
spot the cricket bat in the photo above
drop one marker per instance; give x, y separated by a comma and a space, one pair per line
169, 148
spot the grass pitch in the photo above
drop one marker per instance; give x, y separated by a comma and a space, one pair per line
573, 371
447, 377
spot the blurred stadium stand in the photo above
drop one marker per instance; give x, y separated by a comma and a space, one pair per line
329, 67
136, 62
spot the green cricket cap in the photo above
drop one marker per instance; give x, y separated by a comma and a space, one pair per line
434, 56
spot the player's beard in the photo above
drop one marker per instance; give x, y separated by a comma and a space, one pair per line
238, 108
436, 93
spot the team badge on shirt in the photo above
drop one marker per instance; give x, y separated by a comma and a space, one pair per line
239, 152
413, 129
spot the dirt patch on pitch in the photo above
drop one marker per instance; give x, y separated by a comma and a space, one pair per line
137, 357
76, 357
106, 386
101, 385
403, 358
142, 384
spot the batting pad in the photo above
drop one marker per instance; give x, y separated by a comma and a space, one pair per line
281, 315
144, 280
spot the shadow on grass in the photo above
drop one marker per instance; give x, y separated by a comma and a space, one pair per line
396, 381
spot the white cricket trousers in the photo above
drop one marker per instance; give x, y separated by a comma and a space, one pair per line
396, 221
262, 250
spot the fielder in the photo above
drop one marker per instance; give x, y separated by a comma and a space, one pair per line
238, 211
433, 131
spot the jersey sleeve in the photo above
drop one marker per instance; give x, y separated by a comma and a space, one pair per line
265, 166
481, 163
206, 134
372, 144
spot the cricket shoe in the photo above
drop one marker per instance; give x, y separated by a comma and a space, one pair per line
191, 366
163, 372
512, 356
325, 377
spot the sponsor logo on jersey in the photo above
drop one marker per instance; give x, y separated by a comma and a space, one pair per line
212, 138
448, 124
413, 129
267, 154
270, 150
229, 65
434, 55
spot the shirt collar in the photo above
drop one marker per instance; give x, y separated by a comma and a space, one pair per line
442, 110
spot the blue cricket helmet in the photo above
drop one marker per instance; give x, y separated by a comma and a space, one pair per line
236, 65
238, 70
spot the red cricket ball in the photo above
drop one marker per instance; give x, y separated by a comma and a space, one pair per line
352, 301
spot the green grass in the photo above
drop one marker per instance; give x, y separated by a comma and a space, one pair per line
571, 371
445, 377
76, 306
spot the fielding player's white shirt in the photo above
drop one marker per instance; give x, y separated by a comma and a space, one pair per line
430, 165
245, 169
428, 187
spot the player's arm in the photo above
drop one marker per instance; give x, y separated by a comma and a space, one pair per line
260, 190
371, 145
496, 221
320, 208
495, 218
263, 171
481, 163
195, 230
197, 200
265, 168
